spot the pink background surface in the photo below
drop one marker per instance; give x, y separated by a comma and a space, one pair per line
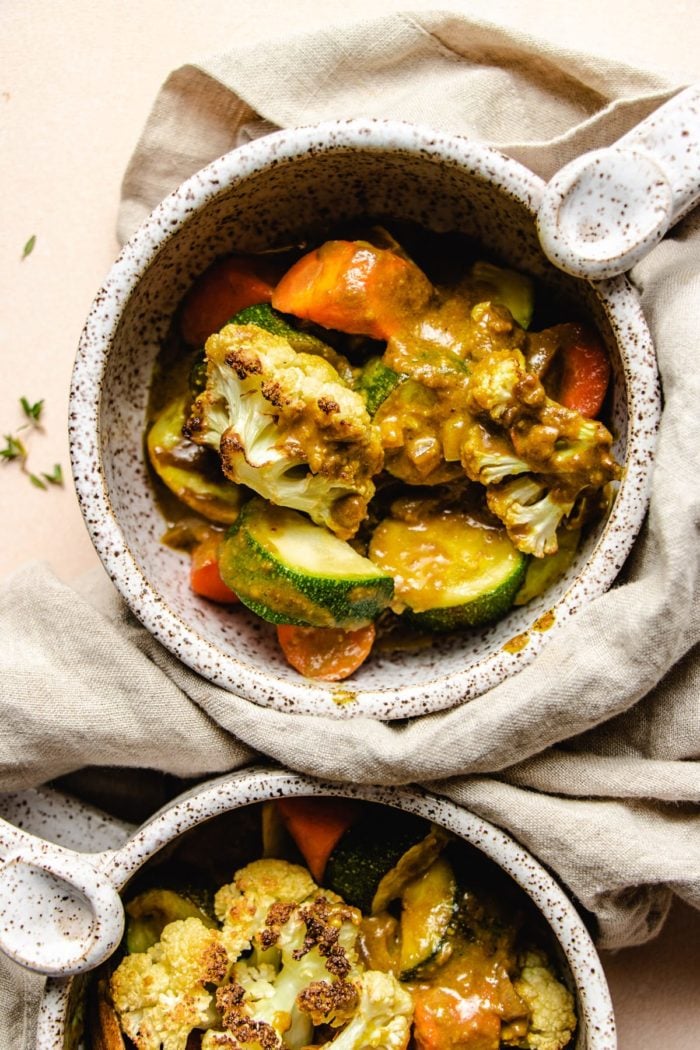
77, 80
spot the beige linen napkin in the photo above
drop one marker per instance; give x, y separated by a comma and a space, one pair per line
589, 756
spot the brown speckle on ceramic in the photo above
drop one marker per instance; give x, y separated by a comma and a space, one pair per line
604, 211
59, 914
272, 192
66, 821
596, 1029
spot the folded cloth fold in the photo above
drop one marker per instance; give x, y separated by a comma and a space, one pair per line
541, 104
589, 755
89, 686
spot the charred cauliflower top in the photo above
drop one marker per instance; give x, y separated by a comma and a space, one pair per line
287, 425
284, 962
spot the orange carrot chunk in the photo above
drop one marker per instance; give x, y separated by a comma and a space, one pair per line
317, 825
230, 284
329, 653
353, 287
205, 578
444, 1020
585, 373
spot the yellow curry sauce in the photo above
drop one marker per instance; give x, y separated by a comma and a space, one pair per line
464, 998
455, 350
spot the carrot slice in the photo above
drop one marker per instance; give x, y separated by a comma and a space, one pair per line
205, 578
329, 653
353, 287
230, 284
446, 1018
317, 825
585, 372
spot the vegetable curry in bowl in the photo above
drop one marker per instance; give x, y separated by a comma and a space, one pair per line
376, 438
344, 925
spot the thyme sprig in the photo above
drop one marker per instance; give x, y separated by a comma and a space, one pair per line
15, 449
56, 475
32, 411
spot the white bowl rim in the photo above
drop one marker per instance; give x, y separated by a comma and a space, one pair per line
260, 783
345, 699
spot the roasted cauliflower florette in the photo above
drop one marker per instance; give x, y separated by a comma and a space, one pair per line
288, 426
284, 963
551, 1005
303, 970
487, 455
162, 994
540, 458
552, 439
256, 899
532, 509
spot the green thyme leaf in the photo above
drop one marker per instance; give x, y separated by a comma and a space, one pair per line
14, 449
32, 412
55, 477
29, 246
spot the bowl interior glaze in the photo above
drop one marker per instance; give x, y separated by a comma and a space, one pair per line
268, 194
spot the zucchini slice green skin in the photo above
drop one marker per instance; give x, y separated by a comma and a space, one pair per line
375, 864
429, 905
367, 852
265, 558
487, 608
218, 500
451, 571
271, 320
376, 381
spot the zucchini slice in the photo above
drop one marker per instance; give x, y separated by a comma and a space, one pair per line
543, 572
191, 472
368, 851
428, 908
450, 570
375, 382
288, 570
413, 863
508, 288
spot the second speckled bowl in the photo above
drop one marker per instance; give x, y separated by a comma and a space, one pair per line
269, 193
61, 1016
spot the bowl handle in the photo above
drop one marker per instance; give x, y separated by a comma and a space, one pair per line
605, 210
59, 915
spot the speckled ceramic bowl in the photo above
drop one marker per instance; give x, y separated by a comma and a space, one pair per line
60, 1022
269, 193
